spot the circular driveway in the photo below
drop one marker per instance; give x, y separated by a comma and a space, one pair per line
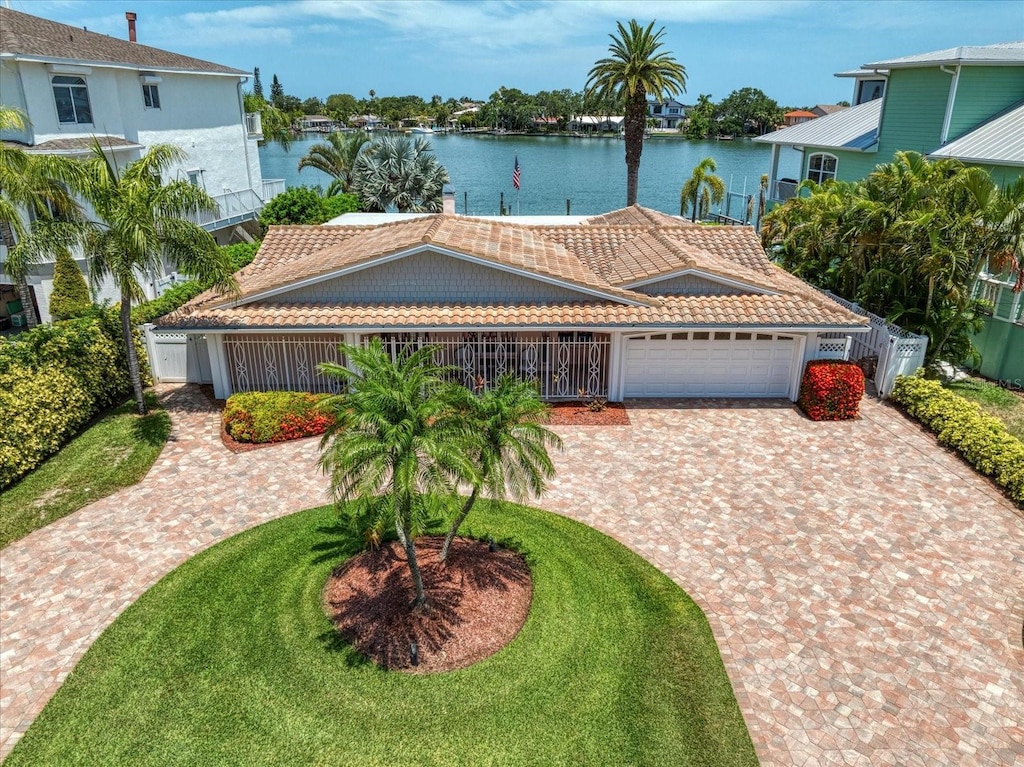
865, 587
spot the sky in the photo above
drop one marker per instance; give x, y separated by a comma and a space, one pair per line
790, 49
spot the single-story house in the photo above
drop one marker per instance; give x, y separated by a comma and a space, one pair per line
633, 303
797, 116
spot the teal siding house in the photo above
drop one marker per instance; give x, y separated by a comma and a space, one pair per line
965, 103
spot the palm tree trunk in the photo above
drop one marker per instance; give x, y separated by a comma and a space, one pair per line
466, 507
414, 568
133, 357
636, 123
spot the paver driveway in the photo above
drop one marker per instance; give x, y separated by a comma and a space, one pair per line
865, 587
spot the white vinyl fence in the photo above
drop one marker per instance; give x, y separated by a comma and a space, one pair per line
898, 352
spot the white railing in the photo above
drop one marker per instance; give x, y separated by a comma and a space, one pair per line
254, 123
898, 352
564, 365
235, 207
833, 348
265, 362
272, 187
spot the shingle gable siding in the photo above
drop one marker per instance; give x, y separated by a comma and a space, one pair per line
430, 278
690, 285
982, 93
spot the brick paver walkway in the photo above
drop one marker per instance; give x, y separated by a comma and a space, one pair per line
865, 588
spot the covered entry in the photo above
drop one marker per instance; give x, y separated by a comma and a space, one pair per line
709, 364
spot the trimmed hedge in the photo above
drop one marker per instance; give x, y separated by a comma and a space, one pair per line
275, 416
982, 440
53, 380
831, 390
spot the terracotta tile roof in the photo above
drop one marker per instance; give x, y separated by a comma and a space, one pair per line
682, 311
593, 256
637, 215
25, 35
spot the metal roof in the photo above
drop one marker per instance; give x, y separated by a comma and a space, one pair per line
1001, 53
855, 128
1000, 141
861, 73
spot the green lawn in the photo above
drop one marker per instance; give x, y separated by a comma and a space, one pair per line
230, 660
994, 400
114, 451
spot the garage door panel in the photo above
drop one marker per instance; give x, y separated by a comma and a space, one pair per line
677, 368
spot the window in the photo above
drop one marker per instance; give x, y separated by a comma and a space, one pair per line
151, 95
72, 98
673, 110
869, 90
821, 168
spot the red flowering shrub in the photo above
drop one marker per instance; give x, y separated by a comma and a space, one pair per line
275, 416
831, 390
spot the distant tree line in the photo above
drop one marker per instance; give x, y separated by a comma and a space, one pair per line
746, 111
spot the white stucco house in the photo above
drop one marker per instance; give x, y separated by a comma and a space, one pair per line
77, 86
633, 303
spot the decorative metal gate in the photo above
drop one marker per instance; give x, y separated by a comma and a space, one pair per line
279, 362
564, 364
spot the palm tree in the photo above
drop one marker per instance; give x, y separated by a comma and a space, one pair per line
508, 445
701, 189
396, 172
634, 71
396, 443
38, 212
142, 222
336, 158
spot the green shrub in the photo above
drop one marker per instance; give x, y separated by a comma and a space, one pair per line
275, 416
305, 205
337, 205
53, 380
981, 439
70, 296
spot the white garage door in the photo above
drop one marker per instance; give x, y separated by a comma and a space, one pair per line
709, 364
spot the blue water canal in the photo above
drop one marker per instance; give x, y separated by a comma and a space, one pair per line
591, 172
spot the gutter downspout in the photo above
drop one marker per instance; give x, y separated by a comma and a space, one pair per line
245, 136
949, 103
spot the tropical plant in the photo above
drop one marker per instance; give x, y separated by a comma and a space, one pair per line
396, 172
507, 443
141, 225
336, 157
70, 295
701, 189
908, 242
396, 446
39, 215
634, 71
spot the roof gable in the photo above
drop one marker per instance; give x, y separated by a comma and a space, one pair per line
25, 36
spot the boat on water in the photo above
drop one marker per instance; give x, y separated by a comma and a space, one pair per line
421, 128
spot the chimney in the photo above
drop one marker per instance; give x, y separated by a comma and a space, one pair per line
448, 201
130, 15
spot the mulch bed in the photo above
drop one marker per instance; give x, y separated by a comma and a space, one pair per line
477, 603
578, 414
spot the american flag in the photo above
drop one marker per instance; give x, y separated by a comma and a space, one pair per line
515, 174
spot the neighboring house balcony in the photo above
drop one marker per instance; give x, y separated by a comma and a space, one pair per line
236, 207
254, 125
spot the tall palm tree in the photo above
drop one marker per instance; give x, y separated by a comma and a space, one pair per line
508, 445
143, 223
336, 158
701, 189
396, 172
634, 71
39, 214
396, 443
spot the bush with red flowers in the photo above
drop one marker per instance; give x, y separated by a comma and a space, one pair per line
831, 390
275, 416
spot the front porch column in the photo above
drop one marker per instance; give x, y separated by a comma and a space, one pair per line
218, 365
618, 341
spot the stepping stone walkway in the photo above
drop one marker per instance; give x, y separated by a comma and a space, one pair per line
866, 588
